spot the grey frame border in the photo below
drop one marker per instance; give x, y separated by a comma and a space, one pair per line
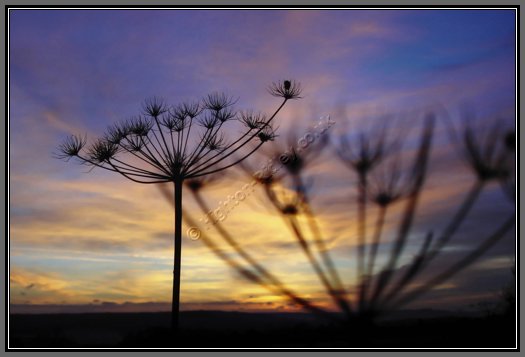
276, 4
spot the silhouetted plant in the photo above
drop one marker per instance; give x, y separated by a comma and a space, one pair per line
362, 155
255, 273
264, 277
385, 189
384, 182
487, 154
289, 204
155, 148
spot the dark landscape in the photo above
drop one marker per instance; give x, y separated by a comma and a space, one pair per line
432, 329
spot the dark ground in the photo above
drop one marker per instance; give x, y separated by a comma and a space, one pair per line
425, 329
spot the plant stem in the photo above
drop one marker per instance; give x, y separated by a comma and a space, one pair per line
449, 231
458, 266
460, 215
418, 176
367, 281
319, 242
177, 200
377, 239
361, 227
275, 284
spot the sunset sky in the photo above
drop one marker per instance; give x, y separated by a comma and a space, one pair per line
93, 241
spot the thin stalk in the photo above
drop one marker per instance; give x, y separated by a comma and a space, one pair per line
303, 243
138, 170
165, 157
168, 151
278, 286
130, 171
373, 251
419, 174
114, 169
195, 156
151, 156
449, 231
467, 260
239, 268
180, 137
173, 142
193, 174
187, 136
251, 136
361, 234
150, 160
376, 240
175, 302
327, 260
292, 221
411, 271
457, 219
318, 239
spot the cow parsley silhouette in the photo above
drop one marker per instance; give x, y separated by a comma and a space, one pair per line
159, 146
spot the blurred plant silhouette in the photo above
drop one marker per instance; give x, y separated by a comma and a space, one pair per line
155, 147
375, 158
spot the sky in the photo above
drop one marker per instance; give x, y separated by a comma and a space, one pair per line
87, 240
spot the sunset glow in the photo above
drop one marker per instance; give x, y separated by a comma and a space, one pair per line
83, 240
